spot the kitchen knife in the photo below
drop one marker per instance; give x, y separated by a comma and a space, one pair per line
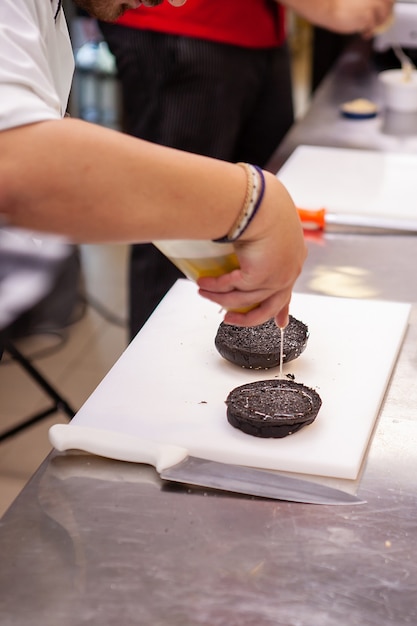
321, 219
174, 464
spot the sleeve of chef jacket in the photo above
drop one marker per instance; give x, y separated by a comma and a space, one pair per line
36, 62
36, 68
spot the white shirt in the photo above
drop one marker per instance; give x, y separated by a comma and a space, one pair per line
36, 70
36, 62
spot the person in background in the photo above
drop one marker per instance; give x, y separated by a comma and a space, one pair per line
68, 177
327, 46
214, 78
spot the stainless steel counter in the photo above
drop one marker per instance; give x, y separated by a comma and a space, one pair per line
93, 541
354, 76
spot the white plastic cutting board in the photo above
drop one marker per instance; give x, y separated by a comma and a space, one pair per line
170, 384
345, 180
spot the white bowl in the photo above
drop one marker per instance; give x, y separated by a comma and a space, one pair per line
399, 94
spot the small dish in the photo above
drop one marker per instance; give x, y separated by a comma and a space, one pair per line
359, 109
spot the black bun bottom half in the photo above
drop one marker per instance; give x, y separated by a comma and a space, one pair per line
272, 408
259, 347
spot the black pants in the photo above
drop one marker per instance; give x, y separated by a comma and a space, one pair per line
218, 100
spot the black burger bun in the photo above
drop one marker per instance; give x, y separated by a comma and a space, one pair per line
259, 347
272, 408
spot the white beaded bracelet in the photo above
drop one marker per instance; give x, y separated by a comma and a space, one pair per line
254, 195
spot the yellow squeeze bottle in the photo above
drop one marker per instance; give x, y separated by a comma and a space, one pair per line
197, 259
200, 258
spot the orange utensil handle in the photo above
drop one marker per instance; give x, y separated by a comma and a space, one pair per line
313, 218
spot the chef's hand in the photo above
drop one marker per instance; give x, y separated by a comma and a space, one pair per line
271, 254
382, 20
362, 16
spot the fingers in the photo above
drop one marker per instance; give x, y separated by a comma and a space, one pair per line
264, 312
232, 293
381, 17
251, 309
282, 318
384, 19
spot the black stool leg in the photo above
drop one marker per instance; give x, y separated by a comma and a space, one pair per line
59, 404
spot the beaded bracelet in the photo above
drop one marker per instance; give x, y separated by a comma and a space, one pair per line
253, 198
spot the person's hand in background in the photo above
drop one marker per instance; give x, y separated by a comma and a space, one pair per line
344, 16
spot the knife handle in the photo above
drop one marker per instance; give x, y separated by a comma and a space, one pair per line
312, 218
114, 445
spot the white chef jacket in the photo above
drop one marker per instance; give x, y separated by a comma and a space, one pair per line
36, 62
36, 70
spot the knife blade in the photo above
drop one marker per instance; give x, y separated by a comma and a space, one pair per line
174, 464
321, 219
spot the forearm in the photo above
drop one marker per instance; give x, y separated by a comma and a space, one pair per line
93, 184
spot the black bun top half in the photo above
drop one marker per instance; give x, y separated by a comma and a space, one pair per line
272, 408
258, 347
